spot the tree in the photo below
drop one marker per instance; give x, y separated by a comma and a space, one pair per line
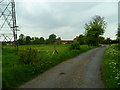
52, 38
21, 36
42, 41
21, 39
81, 39
47, 41
108, 41
58, 40
94, 29
101, 39
36, 40
28, 40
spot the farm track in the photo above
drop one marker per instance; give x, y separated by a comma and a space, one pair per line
83, 71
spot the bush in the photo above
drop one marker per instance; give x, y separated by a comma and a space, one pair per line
75, 45
119, 46
29, 56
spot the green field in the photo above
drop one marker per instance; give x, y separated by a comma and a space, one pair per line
111, 67
16, 73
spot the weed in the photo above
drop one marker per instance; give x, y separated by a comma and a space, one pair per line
75, 45
29, 56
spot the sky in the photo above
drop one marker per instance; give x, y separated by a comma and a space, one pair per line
65, 19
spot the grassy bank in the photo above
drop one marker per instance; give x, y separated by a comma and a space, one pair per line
111, 67
16, 74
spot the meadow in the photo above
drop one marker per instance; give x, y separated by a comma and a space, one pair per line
111, 67
16, 73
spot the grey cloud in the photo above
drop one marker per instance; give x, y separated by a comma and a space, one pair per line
60, 18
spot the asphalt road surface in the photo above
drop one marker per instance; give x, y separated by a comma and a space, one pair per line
83, 71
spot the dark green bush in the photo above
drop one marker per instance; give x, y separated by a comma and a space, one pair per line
75, 45
119, 46
29, 56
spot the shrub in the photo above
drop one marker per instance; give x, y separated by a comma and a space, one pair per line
29, 56
119, 46
75, 45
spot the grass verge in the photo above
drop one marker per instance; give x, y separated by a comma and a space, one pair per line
111, 67
16, 74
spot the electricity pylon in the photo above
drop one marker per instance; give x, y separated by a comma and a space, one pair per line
8, 15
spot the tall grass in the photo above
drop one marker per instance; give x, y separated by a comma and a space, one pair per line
111, 67
16, 73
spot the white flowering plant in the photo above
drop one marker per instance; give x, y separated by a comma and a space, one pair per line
111, 66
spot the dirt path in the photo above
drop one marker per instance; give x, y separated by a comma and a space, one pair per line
83, 71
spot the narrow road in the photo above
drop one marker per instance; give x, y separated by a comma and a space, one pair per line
83, 71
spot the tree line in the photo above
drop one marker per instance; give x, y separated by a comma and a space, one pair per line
94, 30
27, 40
82, 39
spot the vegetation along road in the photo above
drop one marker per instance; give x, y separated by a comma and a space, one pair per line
83, 71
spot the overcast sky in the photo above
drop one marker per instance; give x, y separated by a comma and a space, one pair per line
65, 19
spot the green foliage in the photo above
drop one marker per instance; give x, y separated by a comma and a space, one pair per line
75, 45
21, 39
15, 73
52, 38
94, 29
82, 39
29, 56
111, 67
118, 46
108, 40
101, 39
42, 41
58, 40
35, 40
28, 40
47, 41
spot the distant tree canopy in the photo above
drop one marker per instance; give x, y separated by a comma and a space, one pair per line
21, 40
52, 38
81, 39
27, 40
108, 40
21, 37
58, 40
94, 29
35, 40
101, 39
42, 40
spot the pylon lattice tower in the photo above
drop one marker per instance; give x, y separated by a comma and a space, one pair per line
8, 16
